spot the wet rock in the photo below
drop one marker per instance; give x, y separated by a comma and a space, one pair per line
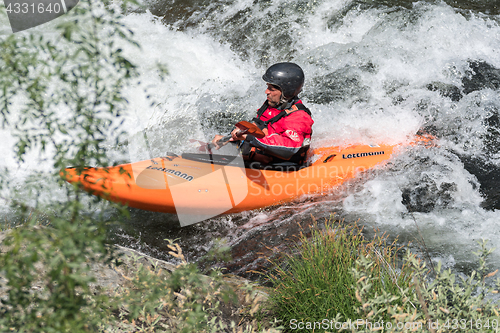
342, 85
446, 90
251, 253
425, 196
488, 176
481, 76
482, 6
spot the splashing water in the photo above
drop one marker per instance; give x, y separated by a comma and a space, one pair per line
375, 71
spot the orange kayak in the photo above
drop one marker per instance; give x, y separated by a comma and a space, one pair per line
203, 185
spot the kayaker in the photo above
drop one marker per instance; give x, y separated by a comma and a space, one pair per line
286, 122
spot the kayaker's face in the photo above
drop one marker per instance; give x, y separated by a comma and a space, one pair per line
273, 95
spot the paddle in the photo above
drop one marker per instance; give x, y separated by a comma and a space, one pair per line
244, 127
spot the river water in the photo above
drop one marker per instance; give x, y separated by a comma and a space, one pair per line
375, 70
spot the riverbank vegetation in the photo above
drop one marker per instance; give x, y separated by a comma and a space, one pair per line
58, 279
317, 280
339, 281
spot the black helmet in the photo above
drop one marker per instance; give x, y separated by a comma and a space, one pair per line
286, 75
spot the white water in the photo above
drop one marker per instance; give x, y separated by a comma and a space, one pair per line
389, 56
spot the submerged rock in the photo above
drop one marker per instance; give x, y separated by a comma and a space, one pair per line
446, 90
481, 76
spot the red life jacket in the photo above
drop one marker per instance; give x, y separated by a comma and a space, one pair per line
289, 133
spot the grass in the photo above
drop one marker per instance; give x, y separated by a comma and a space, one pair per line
336, 277
316, 281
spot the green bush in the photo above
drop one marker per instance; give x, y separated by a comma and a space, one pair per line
316, 282
438, 304
48, 273
61, 94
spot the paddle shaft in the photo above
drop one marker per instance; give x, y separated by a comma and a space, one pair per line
244, 128
220, 141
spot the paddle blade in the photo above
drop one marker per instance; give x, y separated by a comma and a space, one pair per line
203, 146
250, 128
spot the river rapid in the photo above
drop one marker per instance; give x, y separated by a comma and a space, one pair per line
376, 70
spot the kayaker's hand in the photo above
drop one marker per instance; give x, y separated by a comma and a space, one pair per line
264, 130
216, 139
237, 136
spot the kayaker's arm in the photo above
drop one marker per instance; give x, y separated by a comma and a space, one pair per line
239, 133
